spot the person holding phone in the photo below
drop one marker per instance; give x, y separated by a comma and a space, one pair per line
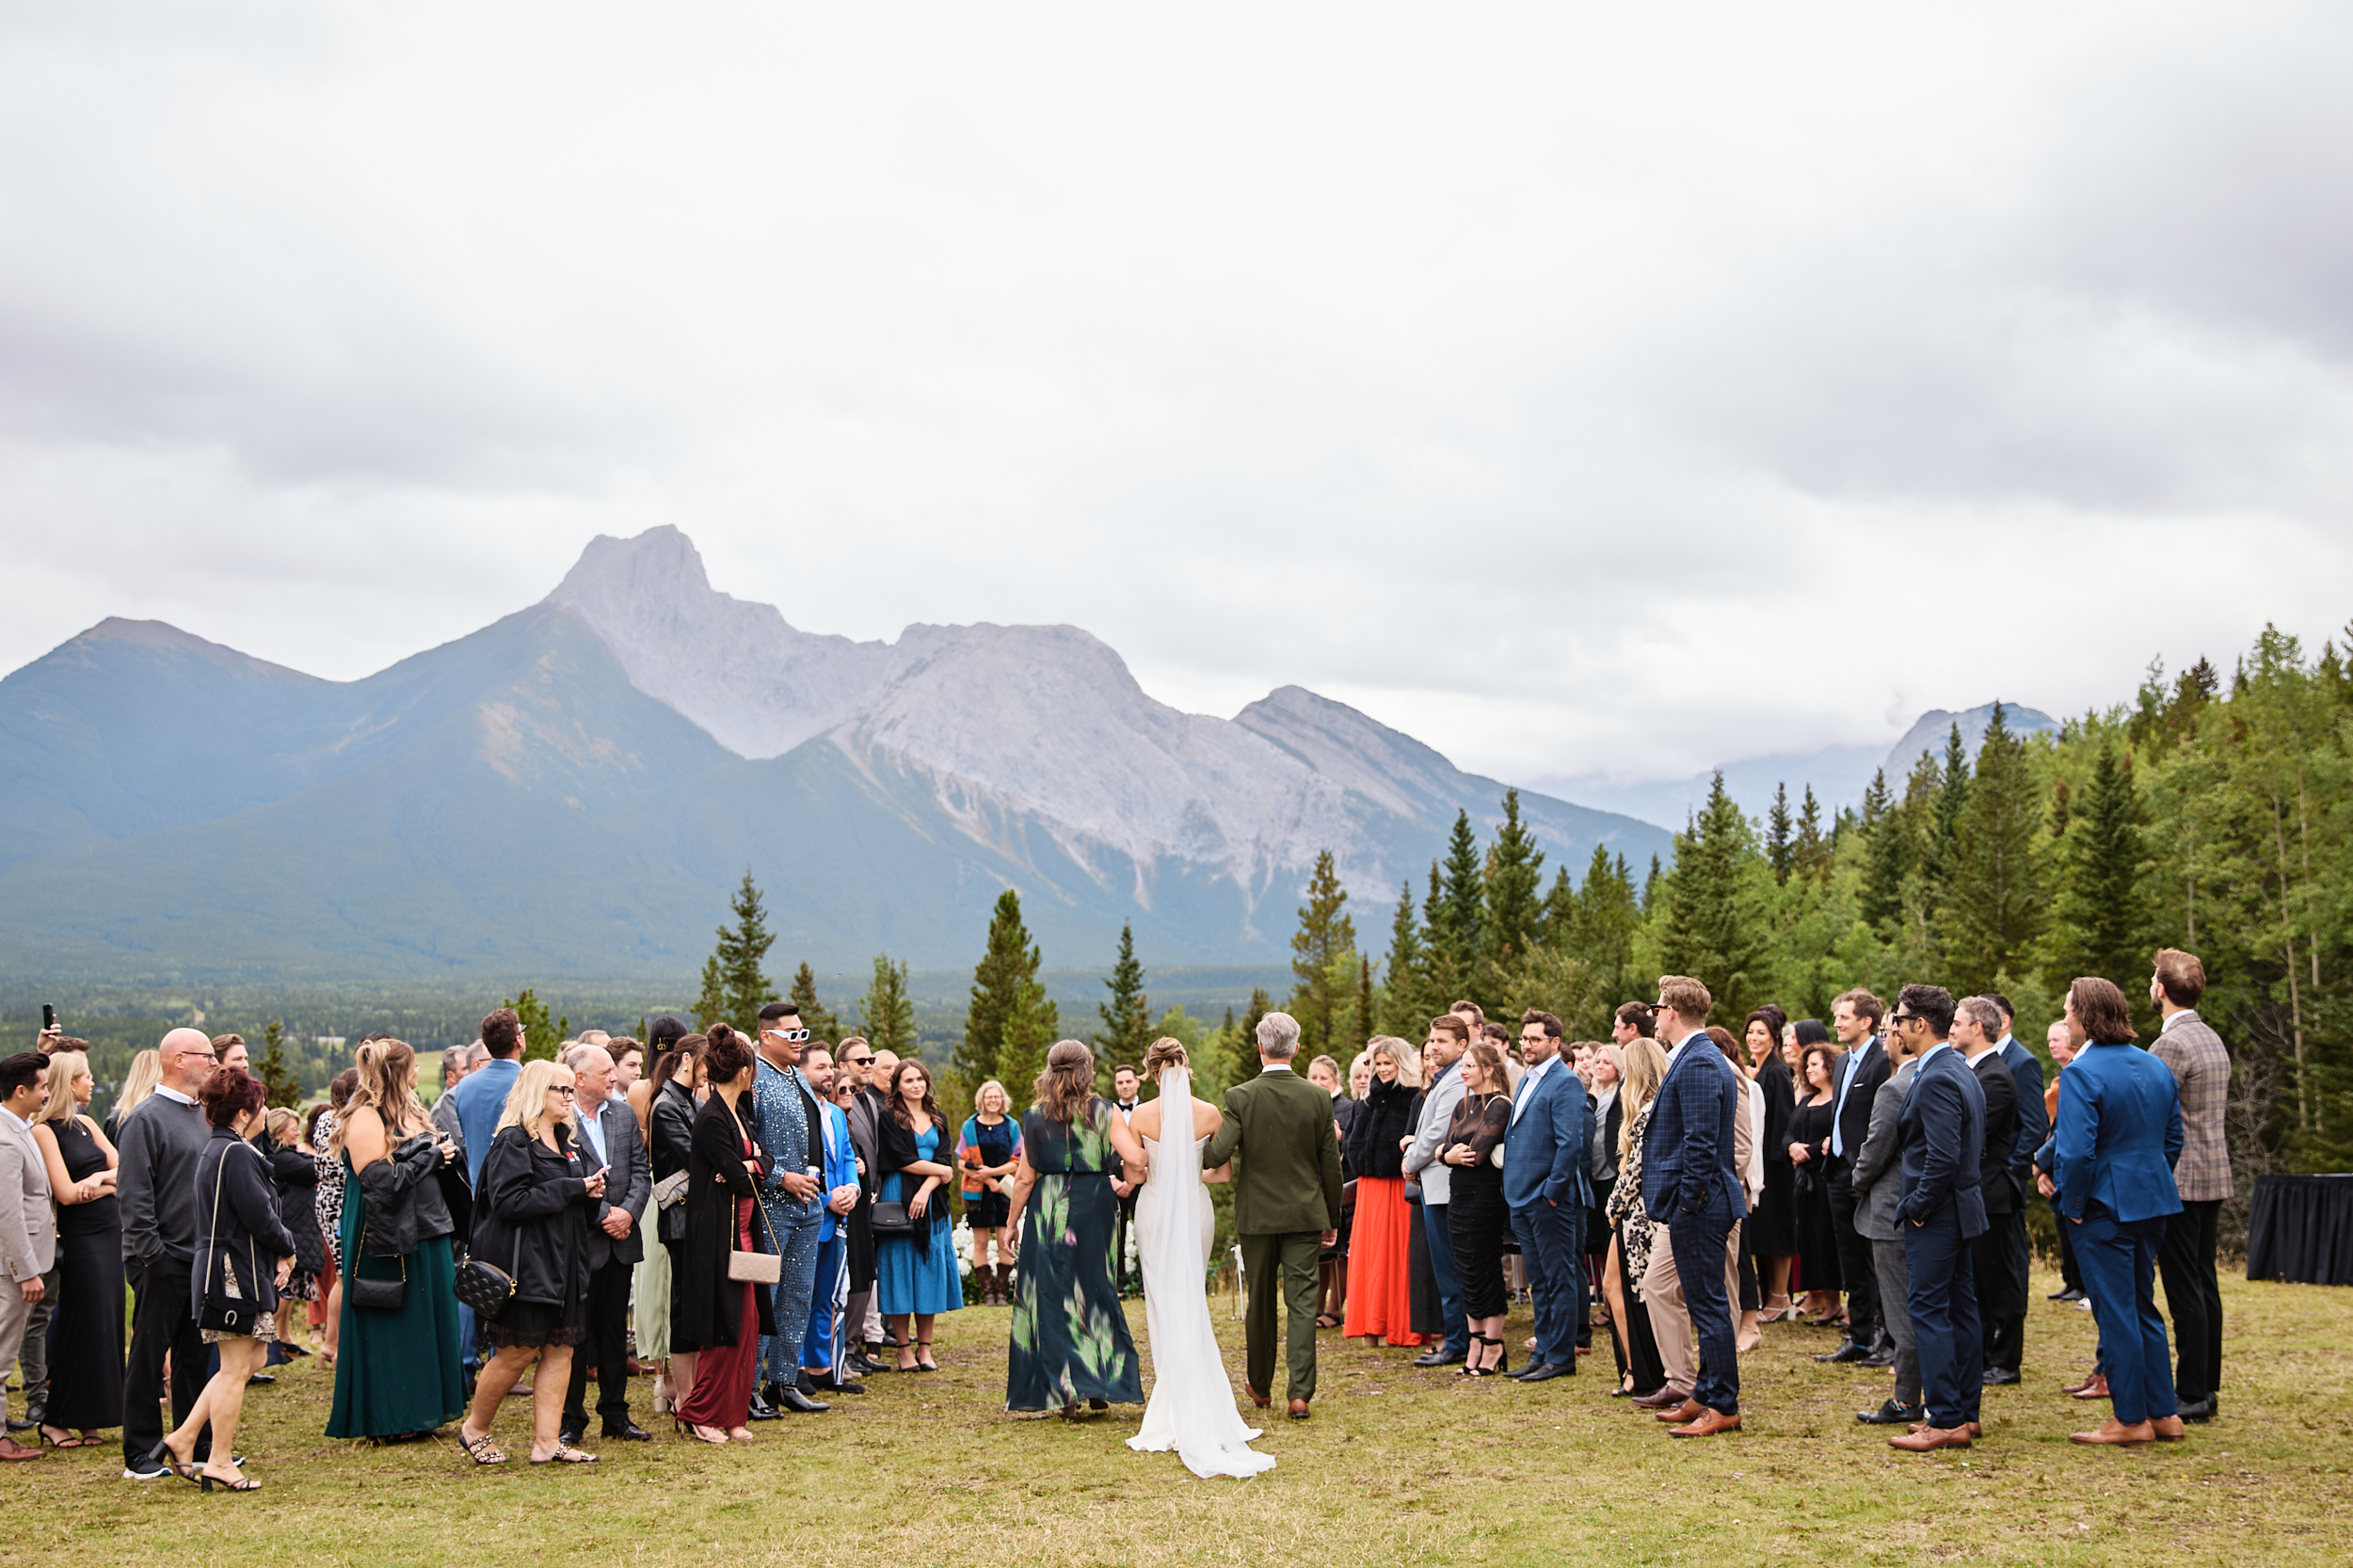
533, 1209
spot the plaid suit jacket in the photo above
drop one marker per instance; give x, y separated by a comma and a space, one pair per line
2203, 1067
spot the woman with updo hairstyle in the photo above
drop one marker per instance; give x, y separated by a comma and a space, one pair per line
243, 1256
1070, 1340
399, 1373
716, 1319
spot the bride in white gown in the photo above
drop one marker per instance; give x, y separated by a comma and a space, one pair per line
1191, 1409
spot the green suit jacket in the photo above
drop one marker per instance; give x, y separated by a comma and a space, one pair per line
1288, 1179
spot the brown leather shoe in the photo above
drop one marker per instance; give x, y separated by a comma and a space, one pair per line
1688, 1411
2080, 1384
2117, 1432
1706, 1424
1665, 1399
1299, 1410
1258, 1399
2168, 1429
1974, 1428
11, 1450
1922, 1440
2095, 1389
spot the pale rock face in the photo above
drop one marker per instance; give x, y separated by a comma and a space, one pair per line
760, 686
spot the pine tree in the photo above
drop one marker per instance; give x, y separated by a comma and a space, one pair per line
1606, 921
1994, 908
542, 1034
1515, 878
1557, 925
888, 1015
2101, 923
1780, 850
1322, 946
1033, 1024
1943, 819
280, 1084
1454, 924
1650, 884
1404, 1001
819, 1019
1366, 1013
1812, 852
1008, 963
1712, 923
1245, 1063
735, 986
1127, 1032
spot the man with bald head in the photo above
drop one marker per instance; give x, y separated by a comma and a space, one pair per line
608, 1139
162, 1225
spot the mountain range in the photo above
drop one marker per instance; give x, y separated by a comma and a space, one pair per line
573, 791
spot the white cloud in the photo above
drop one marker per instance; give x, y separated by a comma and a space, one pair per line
1580, 390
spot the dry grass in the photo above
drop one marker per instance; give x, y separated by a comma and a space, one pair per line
1399, 1466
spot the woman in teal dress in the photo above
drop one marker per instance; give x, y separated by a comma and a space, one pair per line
397, 1374
915, 1275
1070, 1339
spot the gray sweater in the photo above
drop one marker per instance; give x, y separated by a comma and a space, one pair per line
160, 1143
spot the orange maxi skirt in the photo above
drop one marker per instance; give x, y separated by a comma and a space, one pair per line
1380, 1290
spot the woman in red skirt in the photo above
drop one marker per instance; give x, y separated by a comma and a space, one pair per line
1380, 1302
718, 1316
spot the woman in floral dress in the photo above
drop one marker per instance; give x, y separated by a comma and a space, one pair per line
1070, 1339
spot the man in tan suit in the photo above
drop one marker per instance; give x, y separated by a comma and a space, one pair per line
28, 1236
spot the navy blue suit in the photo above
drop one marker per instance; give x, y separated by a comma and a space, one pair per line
1942, 1133
2034, 1124
1690, 1185
2118, 1132
1546, 1181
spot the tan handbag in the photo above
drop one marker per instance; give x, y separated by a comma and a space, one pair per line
757, 1268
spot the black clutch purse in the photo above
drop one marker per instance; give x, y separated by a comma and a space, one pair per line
890, 1219
376, 1295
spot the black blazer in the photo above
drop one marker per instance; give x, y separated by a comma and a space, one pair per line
1382, 1116
1773, 1082
241, 1227
1868, 1069
404, 1197
2001, 1132
530, 1216
627, 1185
673, 1121
707, 1307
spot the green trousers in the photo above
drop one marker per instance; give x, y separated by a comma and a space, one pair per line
1289, 1258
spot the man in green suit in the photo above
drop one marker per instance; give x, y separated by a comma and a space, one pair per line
1286, 1203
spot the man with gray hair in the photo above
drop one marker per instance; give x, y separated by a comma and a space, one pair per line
2001, 1299
1287, 1206
608, 1140
457, 1062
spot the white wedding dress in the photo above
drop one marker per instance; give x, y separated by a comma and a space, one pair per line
1193, 1409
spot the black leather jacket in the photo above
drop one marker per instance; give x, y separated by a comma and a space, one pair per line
404, 1197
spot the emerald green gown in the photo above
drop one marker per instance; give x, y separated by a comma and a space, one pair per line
396, 1373
1070, 1339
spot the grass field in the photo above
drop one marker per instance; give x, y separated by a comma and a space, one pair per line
1398, 1465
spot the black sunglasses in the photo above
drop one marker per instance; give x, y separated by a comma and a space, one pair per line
1905, 1019
857, 1060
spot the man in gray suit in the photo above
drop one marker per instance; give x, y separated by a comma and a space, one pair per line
1442, 1080
28, 1235
608, 1138
1877, 1185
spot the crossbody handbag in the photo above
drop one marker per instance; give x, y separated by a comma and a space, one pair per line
486, 1287
890, 1219
758, 1268
376, 1295
222, 1312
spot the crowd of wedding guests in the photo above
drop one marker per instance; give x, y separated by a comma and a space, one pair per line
756, 1220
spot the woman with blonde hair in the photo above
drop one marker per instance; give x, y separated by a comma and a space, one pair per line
988, 1148
147, 1070
532, 1212
1070, 1339
1380, 1300
295, 1174
399, 1370
85, 1359
1641, 1066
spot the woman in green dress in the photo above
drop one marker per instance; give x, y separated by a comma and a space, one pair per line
1070, 1340
397, 1373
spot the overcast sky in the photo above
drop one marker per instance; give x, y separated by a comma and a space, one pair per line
1583, 389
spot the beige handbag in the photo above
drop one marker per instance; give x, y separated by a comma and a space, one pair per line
757, 1268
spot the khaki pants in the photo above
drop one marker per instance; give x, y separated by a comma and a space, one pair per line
1671, 1325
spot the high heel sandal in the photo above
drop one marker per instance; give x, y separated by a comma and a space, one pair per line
696, 1433
231, 1484
1503, 1359
903, 1346
921, 1364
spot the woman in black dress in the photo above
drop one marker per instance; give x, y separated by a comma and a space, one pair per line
532, 1212
677, 1079
1809, 1152
1476, 1216
86, 1355
1332, 1261
1771, 1232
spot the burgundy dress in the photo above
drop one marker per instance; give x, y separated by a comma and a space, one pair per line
725, 1374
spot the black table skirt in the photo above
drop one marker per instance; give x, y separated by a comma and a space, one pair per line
2301, 1229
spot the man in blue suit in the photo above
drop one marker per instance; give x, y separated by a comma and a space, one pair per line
2008, 1348
1942, 1133
1545, 1182
1689, 1183
2119, 1133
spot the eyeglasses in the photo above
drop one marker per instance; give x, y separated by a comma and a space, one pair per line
1906, 1018
859, 1061
791, 1036
566, 1089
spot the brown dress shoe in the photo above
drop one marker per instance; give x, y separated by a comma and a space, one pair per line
1688, 1411
1665, 1399
2081, 1384
1922, 1440
1706, 1424
2168, 1429
2116, 1432
1258, 1399
1299, 1410
2096, 1389
1974, 1428
13, 1451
